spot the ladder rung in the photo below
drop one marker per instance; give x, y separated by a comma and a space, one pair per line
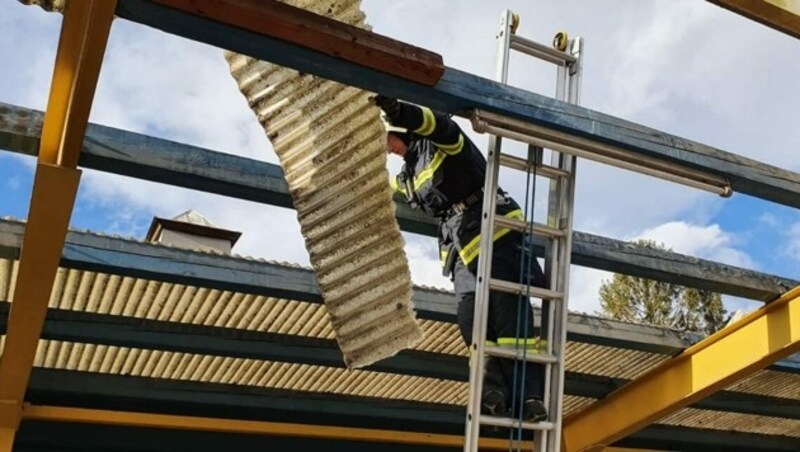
520, 354
515, 423
535, 49
523, 226
524, 289
523, 165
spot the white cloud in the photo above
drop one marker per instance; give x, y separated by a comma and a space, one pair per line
584, 290
30, 37
13, 183
422, 253
642, 47
709, 242
174, 88
769, 219
792, 249
739, 306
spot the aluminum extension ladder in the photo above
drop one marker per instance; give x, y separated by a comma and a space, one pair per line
566, 55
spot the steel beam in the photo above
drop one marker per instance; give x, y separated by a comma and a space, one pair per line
750, 344
158, 160
461, 93
85, 251
92, 252
782, 15
282, 429
7, 437
210, 424
188, 398
82, 43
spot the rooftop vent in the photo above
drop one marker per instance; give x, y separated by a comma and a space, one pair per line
191, 230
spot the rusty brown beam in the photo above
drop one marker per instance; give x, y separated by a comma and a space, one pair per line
321, 34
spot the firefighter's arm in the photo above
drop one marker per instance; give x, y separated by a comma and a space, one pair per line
437, 127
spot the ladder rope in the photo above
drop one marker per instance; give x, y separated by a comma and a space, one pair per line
526, 267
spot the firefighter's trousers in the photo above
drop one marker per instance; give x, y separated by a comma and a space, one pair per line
503, 325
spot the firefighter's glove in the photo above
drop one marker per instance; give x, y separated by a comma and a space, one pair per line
389, 105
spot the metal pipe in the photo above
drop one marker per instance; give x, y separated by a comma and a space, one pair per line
600, 152
540, 51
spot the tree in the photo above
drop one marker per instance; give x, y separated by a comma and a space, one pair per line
643, 300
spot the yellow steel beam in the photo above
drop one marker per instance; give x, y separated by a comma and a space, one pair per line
782, 15
752, 343
81, 46
84, 34
173, 422
166, 421
7, 438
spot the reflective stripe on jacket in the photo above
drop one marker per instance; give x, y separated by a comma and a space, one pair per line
443, 167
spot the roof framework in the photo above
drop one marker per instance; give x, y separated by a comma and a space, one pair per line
148, 357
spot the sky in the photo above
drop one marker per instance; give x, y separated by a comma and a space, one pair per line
685, 67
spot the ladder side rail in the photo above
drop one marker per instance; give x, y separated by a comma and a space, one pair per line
552, 268
481, 310
569, 163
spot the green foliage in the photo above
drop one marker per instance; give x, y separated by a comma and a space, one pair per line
658, 303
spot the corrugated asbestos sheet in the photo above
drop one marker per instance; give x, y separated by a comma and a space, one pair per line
609, 361
331, 145
246, 372
721, 420
112, 294
47, 5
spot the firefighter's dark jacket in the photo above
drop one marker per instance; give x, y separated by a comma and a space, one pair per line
443, 168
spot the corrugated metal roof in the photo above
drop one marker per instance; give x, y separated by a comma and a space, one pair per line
112, 294
302, 377
246, 372
609, 361
770, 383
734, 422
331, 145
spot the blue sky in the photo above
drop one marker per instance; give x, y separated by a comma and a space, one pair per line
683, 66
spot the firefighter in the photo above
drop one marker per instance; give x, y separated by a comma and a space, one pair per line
443, 176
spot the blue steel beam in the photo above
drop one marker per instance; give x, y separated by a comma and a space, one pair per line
459, 93
149, 158
85, 251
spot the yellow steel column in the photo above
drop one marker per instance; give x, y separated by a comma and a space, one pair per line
752, 343
82, 44
7, 438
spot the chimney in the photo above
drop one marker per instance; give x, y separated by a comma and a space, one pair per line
191, 230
